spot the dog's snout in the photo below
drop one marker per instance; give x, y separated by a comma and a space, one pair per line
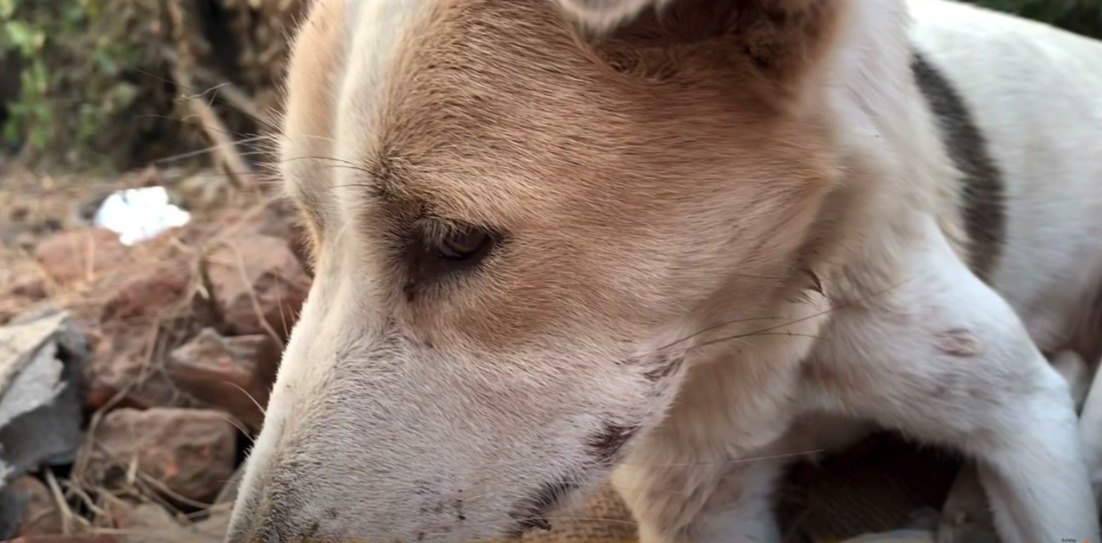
275, 514
275, 525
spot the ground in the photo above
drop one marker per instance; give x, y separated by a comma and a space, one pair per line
183, 335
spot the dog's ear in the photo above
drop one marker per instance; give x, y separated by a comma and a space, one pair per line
774, 47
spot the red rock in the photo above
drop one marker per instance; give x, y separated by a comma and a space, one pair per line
257, 284
233, 374
34, 289
122, 367
152, 524
116, 514
83, 538
80, 254
189, 451
40, 513
282, 219
145, 294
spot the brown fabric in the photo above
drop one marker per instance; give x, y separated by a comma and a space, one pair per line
874, 487
603, 518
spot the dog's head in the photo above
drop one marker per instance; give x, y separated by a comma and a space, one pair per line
522, 215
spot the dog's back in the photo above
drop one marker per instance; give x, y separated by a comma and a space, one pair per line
1019, 106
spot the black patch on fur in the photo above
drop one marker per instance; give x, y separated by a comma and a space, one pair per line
981, 183
608, 444
531, 513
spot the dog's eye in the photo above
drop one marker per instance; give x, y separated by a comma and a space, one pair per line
442, 249
463, 244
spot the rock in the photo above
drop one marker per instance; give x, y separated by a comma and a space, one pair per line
121, 366
217, 522
41, 516
191, 452
282, 219
257, 284
205, 190
115, 514
27, 508
33, 289
40, 513
40, 362
145, 293
83, 538
80, 254
233, 374
229, 492
151, 524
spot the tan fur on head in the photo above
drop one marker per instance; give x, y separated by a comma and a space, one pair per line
572, 169
308, 124
774, 48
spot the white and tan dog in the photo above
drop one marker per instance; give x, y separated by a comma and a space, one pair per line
663, 236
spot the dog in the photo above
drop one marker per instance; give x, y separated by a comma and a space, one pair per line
657, 240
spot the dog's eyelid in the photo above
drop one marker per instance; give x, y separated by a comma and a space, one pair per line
435, 230
439, 248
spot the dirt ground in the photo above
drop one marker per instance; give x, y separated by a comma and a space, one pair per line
183, 334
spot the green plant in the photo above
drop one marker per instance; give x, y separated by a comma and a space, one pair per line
77, 61
1081, 16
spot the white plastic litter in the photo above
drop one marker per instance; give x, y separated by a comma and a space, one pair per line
139, 214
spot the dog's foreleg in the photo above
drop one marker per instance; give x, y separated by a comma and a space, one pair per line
944, 358
1090, 430
966, 514
702, 500
741, 508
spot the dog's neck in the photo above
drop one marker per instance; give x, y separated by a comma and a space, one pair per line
894, 171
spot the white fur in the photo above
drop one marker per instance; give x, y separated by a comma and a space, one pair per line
1034, 91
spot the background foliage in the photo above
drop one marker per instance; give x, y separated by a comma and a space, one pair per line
90, 82
80, 78
94, 82
1081, 16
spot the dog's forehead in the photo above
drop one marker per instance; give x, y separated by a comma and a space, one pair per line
436, 95
501, 112
458, 90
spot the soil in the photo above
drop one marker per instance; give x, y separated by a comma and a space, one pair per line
175, 382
